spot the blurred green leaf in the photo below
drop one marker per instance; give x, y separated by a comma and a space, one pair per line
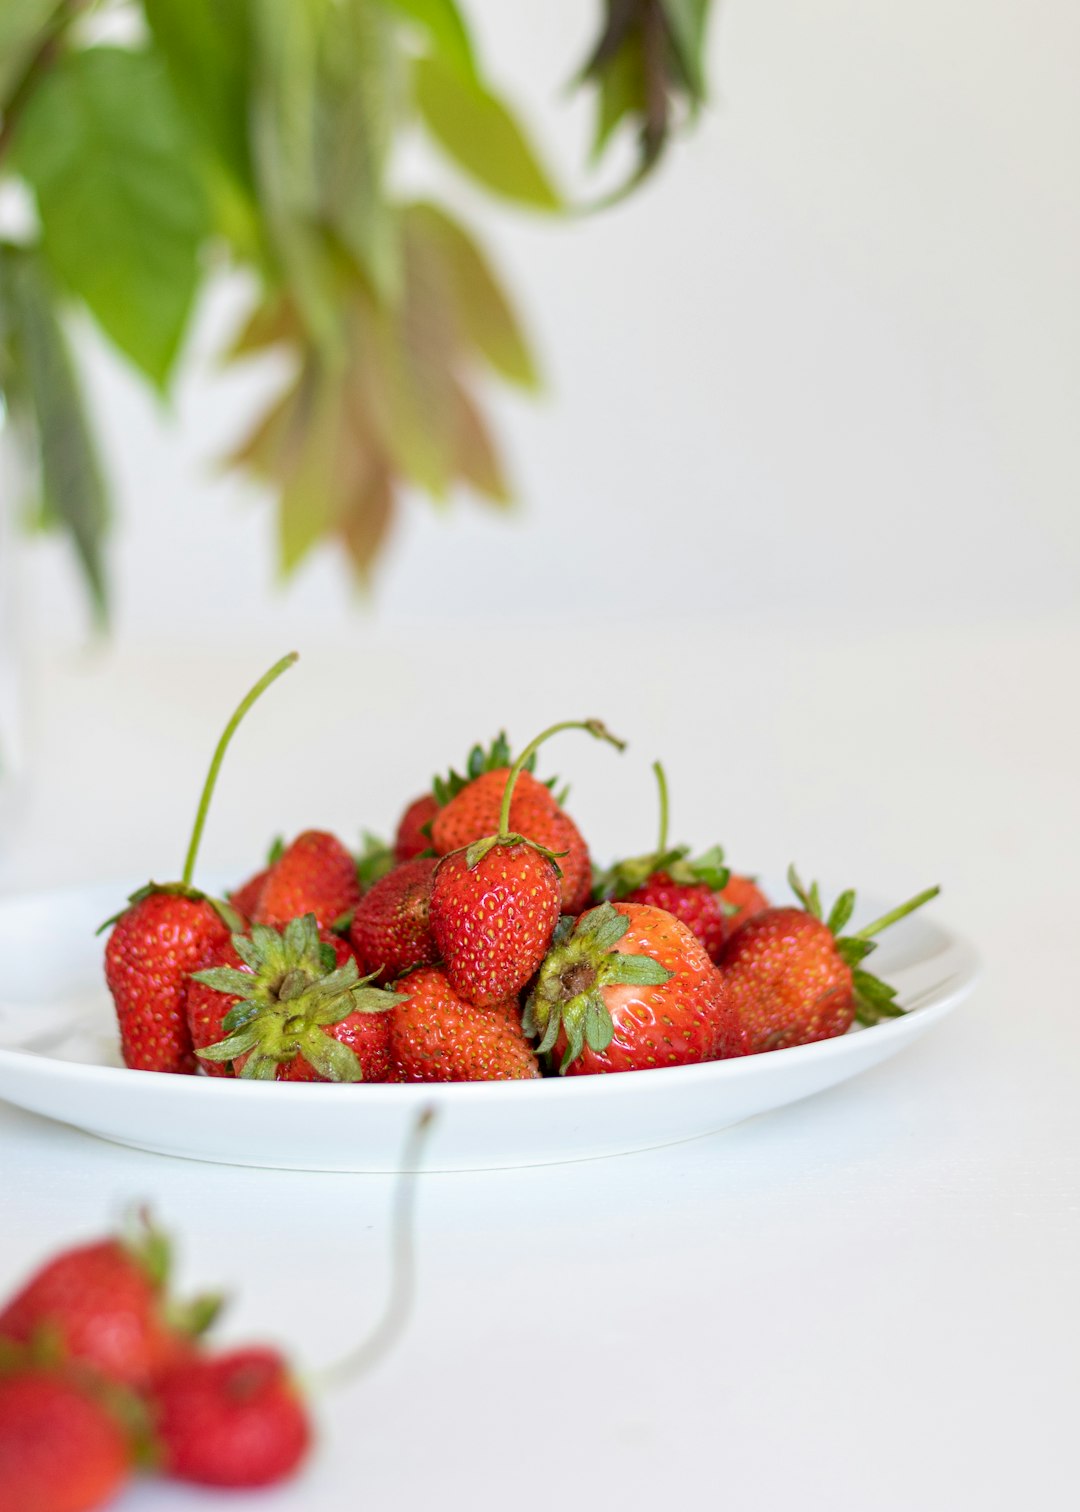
71, 482
358, 107
478, 300
206, 45
687, 20
22, 26
122, 209
445, 27
478, 131
621, 93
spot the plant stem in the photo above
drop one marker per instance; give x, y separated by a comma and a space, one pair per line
593, 726
219, 754
40, 62
897, 913
661, 782
403, 1267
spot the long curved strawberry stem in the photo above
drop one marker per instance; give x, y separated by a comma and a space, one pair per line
219, 755
897, 913
594, 727
403, 1268
661, 782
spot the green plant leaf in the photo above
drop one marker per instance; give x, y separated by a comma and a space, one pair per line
445, 28
71, 481
621, 93
206, 45
22, 26
479, 302
122, 209
478, 132
687, 20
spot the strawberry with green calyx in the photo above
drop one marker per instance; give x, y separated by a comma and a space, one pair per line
436, 1036
628, 988
167, 932
246, 897
391, 928
299, 996
105, 1306
495, 903
741, 899
414, 836
668, 878
796, 979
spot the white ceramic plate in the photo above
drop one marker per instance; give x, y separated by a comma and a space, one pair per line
59, 1057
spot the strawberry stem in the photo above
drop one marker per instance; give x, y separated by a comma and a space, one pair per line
219, 754
897, 913
593, 726
403, 1273
661, 782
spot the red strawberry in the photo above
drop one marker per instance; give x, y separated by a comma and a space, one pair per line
168, 932
150, 953
298, 997
628, 989
315, 874
61, 1450
104, 1304
246, 897
235, 1420
666, 878
796, 979
391, 929
745, 897
413, 832
436, 1036
207, 1008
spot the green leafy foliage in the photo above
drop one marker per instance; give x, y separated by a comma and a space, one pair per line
108, 155
22, 25
477, 130
444, 28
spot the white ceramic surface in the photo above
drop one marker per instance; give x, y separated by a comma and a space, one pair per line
59, 1058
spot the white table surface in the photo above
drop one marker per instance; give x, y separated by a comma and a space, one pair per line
863, 1303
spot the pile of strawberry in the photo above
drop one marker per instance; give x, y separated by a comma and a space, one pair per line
482, 946
102, 1373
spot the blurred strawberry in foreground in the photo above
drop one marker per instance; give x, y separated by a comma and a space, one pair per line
61, 1447
391, 928
315, 874
436, 1036
234, 1420
667, 878
298, 1008
796, 979
106, 1306
629, 988
495, 903
169, 931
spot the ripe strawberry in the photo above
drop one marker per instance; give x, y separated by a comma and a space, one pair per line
207, 1008
236, 1420
630, 988
413, 832
168, 932
315, 874
436, 1036
105, 1305
666, 878
743, 895
298, 997
61, 1449
246, 897
391, 929
796, 979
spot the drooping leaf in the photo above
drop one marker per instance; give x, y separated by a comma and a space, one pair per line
687, 20
445, 29
479, 132
478, 300
109, 157
620, 95
72, 487
23, 23
207, 47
